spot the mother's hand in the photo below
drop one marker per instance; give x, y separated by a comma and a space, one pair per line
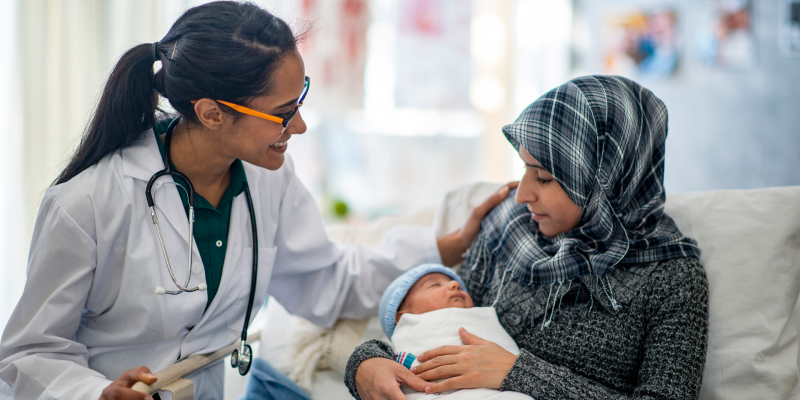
453, 245
478, 364
380, 378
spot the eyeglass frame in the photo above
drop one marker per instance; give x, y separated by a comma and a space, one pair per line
283, 121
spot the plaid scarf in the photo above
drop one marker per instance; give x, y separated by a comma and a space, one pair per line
602, 138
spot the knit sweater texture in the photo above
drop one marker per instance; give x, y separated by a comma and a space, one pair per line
654, 347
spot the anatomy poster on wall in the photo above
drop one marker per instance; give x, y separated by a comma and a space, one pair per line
725, 38
640, 43
433, 54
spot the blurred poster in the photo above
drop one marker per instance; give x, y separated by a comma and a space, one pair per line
725, 38
789, 27
335, 49
433, 60
640, 43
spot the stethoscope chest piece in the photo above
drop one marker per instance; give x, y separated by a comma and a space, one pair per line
242, 359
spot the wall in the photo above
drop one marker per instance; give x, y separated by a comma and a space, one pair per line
727, 129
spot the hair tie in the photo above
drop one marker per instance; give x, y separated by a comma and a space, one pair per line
155, 52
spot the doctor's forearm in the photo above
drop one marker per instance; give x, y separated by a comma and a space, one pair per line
352, 284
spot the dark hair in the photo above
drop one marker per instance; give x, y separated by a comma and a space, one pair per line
224, 50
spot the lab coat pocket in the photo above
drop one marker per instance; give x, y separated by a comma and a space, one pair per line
266, 261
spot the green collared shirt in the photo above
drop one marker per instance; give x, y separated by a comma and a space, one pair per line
210, 224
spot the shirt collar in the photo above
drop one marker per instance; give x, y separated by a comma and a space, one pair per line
238, 177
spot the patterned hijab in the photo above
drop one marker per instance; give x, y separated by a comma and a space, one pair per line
602, 138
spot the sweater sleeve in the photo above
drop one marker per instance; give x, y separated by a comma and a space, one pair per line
673, 358
365, 351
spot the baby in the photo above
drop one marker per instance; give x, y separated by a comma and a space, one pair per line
423, 309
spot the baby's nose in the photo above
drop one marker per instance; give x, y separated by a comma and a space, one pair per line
454, 285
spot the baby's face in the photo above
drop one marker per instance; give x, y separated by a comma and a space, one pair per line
433, 292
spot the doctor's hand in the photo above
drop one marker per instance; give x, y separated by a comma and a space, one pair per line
120, 389
380, 378
478, 364
452, 246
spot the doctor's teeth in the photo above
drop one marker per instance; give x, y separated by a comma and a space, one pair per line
278, 144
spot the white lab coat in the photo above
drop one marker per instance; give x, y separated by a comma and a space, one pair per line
89, 312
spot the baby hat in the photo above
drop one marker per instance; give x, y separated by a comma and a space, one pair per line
398, 289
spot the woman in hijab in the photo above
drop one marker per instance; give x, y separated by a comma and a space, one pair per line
603, 294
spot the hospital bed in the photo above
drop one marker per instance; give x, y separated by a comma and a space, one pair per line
751, 252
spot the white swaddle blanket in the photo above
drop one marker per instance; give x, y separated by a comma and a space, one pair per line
417, 333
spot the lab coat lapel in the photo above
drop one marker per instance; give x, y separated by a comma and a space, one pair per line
233, 282
261, 203
169, 205
140, 161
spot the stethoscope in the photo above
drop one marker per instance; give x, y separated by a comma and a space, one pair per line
242, 357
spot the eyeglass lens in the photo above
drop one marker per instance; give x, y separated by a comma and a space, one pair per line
299, 103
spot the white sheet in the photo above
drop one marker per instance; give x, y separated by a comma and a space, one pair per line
417, 333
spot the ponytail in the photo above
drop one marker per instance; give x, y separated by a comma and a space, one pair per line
223, 50
126, 108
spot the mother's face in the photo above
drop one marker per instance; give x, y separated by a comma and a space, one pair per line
548, 203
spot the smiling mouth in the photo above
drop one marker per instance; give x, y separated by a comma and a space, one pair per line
279, 144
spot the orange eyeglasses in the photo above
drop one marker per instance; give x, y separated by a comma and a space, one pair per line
282, 119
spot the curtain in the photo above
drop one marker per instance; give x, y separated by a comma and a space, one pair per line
12, 243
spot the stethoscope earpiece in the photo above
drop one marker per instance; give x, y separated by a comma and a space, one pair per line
160, 290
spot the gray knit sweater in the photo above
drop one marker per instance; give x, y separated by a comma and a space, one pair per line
653, 348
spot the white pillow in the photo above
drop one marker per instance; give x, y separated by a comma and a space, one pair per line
751, 252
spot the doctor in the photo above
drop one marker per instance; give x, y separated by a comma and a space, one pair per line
91, 321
